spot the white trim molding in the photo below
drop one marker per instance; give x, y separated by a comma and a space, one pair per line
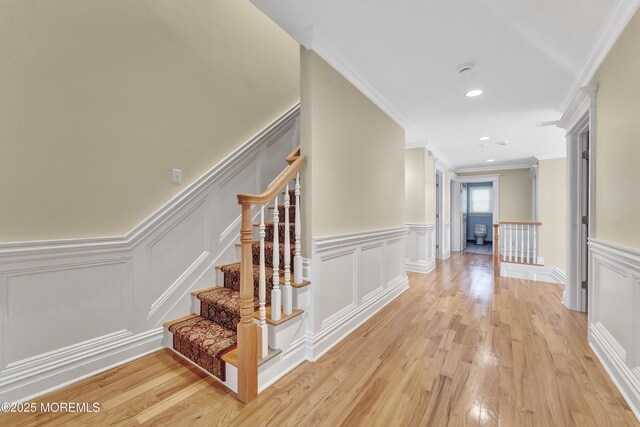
420, 255
495, 180
72, 308
577, 120
353, 276
312, 39
537, 273
614, 315
495, 168
609, 34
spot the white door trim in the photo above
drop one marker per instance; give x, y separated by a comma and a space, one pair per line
579, 118
495, 180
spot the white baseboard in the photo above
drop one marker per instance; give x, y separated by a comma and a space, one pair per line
614, 315
353, 276
23, 385
420, 267
72, 308
532, 272
613, 360
327, 338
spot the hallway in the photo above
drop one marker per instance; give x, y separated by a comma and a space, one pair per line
452, 350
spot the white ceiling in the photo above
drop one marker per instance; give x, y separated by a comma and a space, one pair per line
529, 56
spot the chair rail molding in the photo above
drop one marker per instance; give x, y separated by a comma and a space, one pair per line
614, 315
579, 118
73, 308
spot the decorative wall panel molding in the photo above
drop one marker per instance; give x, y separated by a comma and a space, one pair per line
352, 277
614, 315
420, 255
72, 308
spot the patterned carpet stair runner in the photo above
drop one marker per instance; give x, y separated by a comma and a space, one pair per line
205, 338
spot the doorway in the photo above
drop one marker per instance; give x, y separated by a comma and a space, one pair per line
479, 218
578, 121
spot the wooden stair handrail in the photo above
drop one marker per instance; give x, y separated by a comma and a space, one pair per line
247, 349
294, 167
519, 223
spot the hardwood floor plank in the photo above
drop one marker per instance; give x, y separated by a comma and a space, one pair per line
460, 348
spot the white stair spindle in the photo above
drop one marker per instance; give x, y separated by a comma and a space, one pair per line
276, 301
510, 242
502, 240
535, 244
287, 294
297, 257
528, 244
263, 331
522, 243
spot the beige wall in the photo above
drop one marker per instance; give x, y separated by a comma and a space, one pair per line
515, 193
618, 141
430, 195
552, 203
102, 98
420, 187
356, 156
415, 186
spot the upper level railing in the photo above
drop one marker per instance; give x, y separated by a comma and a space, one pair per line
515, 242
252, 335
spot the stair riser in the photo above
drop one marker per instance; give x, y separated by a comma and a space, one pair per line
231, 372
269, 233
268, 257
223, 317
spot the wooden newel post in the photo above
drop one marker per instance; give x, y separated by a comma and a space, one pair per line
247, 328
496, 249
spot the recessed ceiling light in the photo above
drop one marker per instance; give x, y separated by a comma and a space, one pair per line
484, 138
473, 93
491, 160
502, 142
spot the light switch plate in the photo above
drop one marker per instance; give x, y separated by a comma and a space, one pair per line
176, 176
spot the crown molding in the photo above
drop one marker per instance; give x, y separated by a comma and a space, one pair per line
312, 39
439, 157
550, 156
583, 100
609, 34
493, 168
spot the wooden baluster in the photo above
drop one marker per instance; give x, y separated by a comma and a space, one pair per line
522, 243
247, 328
287, 295
535, 244
503, 246
509, 240
528, 259
297, 257
496, 250
276, 299
263, 332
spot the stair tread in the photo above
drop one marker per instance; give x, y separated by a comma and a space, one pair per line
204, 342
296, 312
220, 295
231, 357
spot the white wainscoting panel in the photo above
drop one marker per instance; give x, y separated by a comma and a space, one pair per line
420, 255
72, 308
352, 277
614, 315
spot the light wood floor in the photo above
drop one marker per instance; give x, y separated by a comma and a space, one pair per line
455, 349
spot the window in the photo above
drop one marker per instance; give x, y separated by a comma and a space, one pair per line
480, 200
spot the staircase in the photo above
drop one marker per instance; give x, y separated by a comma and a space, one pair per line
229, 325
